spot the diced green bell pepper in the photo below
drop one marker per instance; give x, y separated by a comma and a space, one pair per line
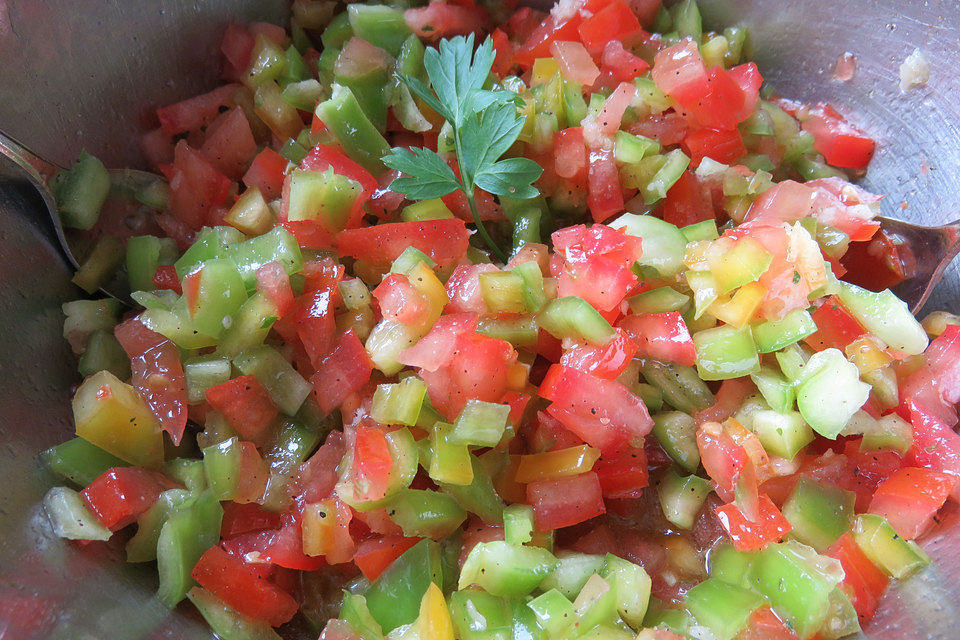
894, 556
277, 245
730, 565
144, 255
682, 497
663, 243
479, 496
681, 387
399, 403
571, 572
503, 569
595, 604
774, 335
829, 392
818, 513
725, 352
210, 242
227, 623
781, 434
219, 294
104, 352
323, 197
379, 25
573, 317
480, 424
659, 300
723, 608
79, 461
477, 614
185, 536
775, 389
286, 387
250, 326
631, 587
393, 599
677, 434
142, 546
885, 316
70, 517
360, 139
424, 513
82, 191
518, 523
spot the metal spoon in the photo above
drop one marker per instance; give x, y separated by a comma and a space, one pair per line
39, 171
925, 253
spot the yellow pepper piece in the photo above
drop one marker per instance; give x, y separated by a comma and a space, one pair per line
549, 465
739, 310
434, 622
543, 70
110, 414
319, 520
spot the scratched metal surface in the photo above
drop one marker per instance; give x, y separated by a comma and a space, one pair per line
67, 83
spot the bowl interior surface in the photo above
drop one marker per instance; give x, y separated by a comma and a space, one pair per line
70, 83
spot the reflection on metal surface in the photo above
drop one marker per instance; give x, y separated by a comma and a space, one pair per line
68, 83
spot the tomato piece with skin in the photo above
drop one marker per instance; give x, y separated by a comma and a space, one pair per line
343, 372
934, 389
244, 518
227, 577
309, 234
935, 445
246, 405
721, 457
565, 501
748, 535
841, 144
748, 78
604, 361
679, 71
267, 172
157, 374
372, 463
503, 50
601, 281
911, 497
463, 289
614, 21
623, 474
284, 547
122, 494
237, 48
551, 29
723, 145
662, 336
549, 434
445, 241
836, 327
317, 476
729, 398
865, 583
311, 324
570, 152
376, 554
603, 413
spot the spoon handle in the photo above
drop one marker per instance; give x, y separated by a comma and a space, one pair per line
36, 167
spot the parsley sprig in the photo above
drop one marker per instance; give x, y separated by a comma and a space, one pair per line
485, 124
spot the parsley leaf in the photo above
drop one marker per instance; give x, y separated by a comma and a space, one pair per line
428, 176
485, 125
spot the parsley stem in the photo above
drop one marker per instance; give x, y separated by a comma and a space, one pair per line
466, 182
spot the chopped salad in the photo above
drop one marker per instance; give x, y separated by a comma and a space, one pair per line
474, 321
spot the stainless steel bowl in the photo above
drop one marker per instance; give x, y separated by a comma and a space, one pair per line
68, 82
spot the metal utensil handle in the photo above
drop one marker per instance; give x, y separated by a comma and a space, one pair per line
36, 167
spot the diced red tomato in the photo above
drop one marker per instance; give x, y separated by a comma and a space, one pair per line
244, 518
157, 148
376, 554
323, 157
748, 78
401, 301
662, 336
166, 278
679, 71
836, 328
864, 581
748, 535
722, 458
570, 152
934, 389
267, 172
229, 143
503, 62
437, 348
911, 497
309, 234
729, 398
622, 65
551, 29
605, 361
157, 374
722, 145
624, 474
463, 289
549, 434
273, 282
270, 31
765, 625
575, 62
372, 463
228, 578
841, 144
595, 264
284, 547
935, 445
718, 102
246, 405
603, 413
565, 501
318, 475
197, 188
196, 112
343, 372
237, 49
688, 201
311, 323
445, 241
478, 370
444, 20
121, 494
615, 21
